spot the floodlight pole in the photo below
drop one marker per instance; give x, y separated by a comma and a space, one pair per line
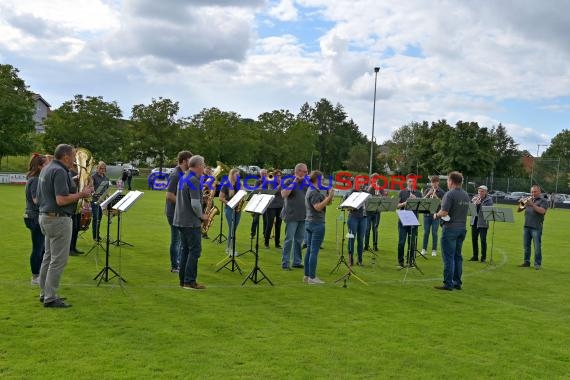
376, 69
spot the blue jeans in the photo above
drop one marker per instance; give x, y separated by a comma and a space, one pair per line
402, 237
230, 244
451, 243
96, 215
430, 225
294, 233
38, 242
534, 234
315, 236
477, 232
191, 239
373, 220
175, 246
356, 226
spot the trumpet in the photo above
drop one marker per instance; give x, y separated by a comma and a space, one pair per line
523, 202
432, 193
476, 199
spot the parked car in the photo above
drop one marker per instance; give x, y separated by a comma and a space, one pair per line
116, 169
164, 170
516, 195
497, 194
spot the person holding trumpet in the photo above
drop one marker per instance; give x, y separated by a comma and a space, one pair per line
430, 225
479, 226
534, 208
410, 192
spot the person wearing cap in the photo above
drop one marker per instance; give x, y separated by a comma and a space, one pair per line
479, 225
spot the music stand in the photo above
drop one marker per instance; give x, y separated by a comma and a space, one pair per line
126, 199
258, 205
248, 198
354, 201
373, 206
496, 214
104, 273
421, 206
220, 238
101, 192
409, 219
231, 260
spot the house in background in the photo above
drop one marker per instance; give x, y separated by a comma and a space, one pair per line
41, 112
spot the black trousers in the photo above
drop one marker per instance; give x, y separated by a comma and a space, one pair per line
273, 216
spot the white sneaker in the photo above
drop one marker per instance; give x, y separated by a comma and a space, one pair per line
35, 280
305, 278
423, 252
315, 281
434, 253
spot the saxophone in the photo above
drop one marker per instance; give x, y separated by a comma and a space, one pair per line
212, 210
84, 162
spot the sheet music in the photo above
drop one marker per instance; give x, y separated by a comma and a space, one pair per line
259, 203
111, 198
408, 218
355, 200
236, 198
128, 200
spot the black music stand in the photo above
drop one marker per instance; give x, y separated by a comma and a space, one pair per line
220, 238
104, 273
409, 219
373, 206
354, 201
248, 197
230, 261
118, 241
100, 193
496, 214
420, 206
258, 204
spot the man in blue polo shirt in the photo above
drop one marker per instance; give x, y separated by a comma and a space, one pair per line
57, 198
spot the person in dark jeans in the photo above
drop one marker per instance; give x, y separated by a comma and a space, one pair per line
32, 213
479, 226
96, 212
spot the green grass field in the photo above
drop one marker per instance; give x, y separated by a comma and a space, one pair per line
507, 322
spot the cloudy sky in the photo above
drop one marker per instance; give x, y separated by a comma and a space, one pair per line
489, 61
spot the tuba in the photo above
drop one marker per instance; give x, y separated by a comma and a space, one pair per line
84, 162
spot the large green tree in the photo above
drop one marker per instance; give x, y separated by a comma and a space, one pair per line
88, 122
508, 157
16, 113
156, 130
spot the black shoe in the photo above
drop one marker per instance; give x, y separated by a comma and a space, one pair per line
483, 260
473, 259
442, 288
42, 299
299, 266
524, 265
278, 246
457, 287
266, 246
366, 248
376, 248
76, 251
304, 246
73, 253
286, 268
57, 303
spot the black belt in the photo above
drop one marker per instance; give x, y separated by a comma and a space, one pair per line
55, 214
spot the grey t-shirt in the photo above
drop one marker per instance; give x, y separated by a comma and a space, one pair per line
294, 205
55, 180
313, 197
184, 214
532, 218
456, 203
173, 181
32, 209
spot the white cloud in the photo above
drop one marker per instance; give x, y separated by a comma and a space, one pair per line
284, 11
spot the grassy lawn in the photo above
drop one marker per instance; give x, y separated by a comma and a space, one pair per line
507, 322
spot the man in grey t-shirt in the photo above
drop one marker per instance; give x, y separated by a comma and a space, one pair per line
188, 218
56, 201
294, 214
455, 204
534, 211
171, 191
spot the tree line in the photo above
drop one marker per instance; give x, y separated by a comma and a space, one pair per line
320, 135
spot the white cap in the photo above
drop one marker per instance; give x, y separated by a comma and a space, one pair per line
483, 187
